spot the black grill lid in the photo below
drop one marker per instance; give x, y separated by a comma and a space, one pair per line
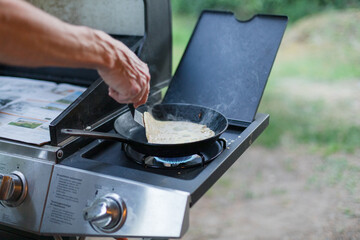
227, 63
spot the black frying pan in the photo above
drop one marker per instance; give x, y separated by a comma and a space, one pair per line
130, 132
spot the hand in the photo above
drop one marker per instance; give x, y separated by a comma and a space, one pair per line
128, 77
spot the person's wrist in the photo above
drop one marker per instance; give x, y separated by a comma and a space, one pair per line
104, 50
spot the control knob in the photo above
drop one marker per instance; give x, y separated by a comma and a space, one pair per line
13, 188
106, 214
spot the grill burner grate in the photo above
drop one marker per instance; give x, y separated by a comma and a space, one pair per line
199, 159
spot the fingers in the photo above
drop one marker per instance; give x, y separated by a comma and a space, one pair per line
144, 82
143, 68
138, 96
116, 96
144, 97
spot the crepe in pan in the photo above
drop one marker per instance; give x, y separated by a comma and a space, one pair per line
174, 132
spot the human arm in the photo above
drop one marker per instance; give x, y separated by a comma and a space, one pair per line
32, 38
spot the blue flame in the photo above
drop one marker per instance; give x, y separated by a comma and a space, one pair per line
176, 160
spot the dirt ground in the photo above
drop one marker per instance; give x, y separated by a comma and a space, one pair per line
272, 194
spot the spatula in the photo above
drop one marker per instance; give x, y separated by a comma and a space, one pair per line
137, 115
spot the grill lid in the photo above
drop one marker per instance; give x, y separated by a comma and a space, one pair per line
227, 63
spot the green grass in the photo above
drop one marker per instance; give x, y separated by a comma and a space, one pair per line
350, 213
326, 64
278, 191
333, 172
306, 122
182, 30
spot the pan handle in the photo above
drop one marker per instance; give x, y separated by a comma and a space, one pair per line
97, 135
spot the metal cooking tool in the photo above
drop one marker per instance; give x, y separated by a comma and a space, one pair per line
137, 115
128, 131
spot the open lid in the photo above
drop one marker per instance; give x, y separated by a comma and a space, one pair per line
227, 63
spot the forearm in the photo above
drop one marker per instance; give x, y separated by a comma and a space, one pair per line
33, 38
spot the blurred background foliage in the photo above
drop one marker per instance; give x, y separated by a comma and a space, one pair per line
312, 94
295, 9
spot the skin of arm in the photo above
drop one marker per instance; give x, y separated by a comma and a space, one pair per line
30, 37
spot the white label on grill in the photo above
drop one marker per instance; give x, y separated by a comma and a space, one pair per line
66, 193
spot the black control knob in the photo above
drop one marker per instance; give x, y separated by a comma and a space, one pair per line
13, 188
107, 213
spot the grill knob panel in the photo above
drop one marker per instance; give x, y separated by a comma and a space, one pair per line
106, 214
13, 188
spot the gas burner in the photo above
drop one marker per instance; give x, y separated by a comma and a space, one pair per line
199, 159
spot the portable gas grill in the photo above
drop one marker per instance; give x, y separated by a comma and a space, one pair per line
75, 186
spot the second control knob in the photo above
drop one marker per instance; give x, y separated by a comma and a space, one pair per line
107, 213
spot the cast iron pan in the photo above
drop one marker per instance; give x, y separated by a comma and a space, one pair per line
130, 132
